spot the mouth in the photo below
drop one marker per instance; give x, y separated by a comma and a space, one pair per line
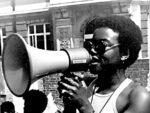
97, 64
96, 60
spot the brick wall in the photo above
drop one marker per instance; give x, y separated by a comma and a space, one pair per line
144, 29
139, 71
50, 85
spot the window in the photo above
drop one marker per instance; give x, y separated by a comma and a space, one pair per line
40, 36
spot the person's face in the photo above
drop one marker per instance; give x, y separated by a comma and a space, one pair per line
111, 57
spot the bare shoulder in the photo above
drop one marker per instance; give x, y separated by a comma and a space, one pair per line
139, 99
139, 93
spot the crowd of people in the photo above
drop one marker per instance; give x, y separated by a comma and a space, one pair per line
114, 47
35, 101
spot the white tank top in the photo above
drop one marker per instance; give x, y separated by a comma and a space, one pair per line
99, 100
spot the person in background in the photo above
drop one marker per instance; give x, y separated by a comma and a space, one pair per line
35, 101
7, 107
114, 47
51, 106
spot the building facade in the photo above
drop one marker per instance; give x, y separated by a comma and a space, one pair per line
54, 25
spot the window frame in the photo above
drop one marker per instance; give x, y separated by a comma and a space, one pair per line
2, 38
35, 35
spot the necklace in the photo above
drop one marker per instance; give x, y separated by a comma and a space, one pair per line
105, 102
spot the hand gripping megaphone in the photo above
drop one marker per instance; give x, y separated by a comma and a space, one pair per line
23, 64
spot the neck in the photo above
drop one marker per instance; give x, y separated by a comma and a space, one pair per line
109, 83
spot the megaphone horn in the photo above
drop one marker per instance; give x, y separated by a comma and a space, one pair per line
23, 64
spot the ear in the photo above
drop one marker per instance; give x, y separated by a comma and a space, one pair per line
125, 56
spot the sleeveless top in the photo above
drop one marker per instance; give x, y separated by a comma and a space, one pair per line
98, 101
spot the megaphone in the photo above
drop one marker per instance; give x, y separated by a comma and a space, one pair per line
23, 64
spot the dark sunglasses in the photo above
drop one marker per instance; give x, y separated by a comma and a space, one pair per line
98, 45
